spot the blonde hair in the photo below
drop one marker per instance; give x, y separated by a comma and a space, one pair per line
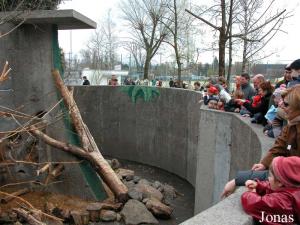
292, 96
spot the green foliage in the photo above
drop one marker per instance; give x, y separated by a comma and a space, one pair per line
136, 91
20, 5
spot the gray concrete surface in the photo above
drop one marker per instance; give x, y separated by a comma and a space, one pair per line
205, 147
29, 51
67, 19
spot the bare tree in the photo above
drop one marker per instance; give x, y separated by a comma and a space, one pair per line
257, 26
144, 18
223, 28
180, 28
137, 52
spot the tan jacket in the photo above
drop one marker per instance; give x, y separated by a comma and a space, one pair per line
286, 144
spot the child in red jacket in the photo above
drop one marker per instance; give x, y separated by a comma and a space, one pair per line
276, 201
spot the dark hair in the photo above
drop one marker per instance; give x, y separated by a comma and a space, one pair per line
245, 75
295, 65
267, 86
84, 77
222, 80
197, 83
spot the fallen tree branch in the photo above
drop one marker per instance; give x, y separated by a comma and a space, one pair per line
28, 217
95, 158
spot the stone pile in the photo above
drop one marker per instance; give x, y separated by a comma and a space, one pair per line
148, 201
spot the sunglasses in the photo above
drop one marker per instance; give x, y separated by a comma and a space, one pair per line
285, 104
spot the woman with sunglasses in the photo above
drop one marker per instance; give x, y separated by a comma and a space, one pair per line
286, 144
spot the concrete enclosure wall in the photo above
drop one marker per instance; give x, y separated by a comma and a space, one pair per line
205, 147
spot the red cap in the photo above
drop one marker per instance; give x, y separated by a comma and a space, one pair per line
213, 90
287, 170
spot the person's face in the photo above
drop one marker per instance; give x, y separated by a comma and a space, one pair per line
255, 83
243, 80
287, 75
287, 108
295, 73
274, 183
261, 92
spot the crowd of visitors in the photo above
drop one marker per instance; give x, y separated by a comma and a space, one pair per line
273, 184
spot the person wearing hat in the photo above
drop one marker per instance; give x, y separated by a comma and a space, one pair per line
276, 201
212, 94
286, 77
286, 144
295, 67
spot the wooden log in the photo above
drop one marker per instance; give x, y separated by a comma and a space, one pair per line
28, 217
96, 159
14, 194
88, 143
74, 112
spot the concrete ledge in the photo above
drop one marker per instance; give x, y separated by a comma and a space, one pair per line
68, 19
205, 147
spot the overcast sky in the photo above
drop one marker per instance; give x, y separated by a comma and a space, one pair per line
287, 44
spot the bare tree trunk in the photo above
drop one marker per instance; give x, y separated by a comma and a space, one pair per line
229, 58
98, 162
147, 66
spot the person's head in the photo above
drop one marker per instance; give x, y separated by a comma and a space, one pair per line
291, 101
222, 81
277, 94
212, 90
212, 104
84, 78
265, 88
295, 67
257, 80
284, 172
197, 85
244, 78
238, 94
288, 73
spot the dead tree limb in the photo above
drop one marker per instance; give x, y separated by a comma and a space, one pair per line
85, 138
28, 217
95, 158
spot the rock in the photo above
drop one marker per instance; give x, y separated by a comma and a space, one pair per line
145, 200
136, 179
108, 215
135, 212
149, 191
17, 223
159, 209
169, 192
119, 217
144, 181
135, 195
129, 184
157, 184
125, 174
115, 164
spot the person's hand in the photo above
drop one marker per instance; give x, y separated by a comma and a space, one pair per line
237, 110
251, 185
228, 189
258, 167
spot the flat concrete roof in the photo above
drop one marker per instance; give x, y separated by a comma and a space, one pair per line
68, 19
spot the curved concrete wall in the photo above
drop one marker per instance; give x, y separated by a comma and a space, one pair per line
205, 147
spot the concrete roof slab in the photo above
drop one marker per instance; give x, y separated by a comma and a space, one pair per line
68, 19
